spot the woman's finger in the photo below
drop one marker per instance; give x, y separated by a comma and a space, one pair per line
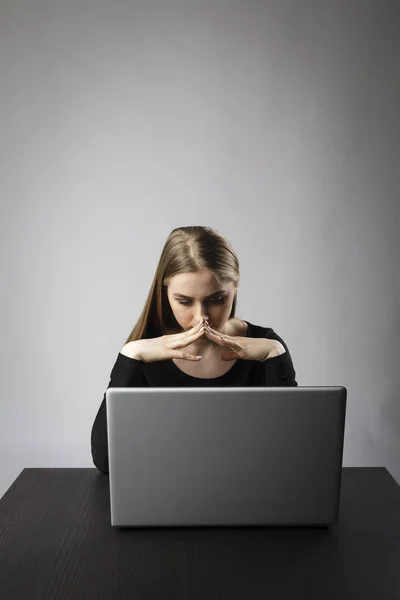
226, 340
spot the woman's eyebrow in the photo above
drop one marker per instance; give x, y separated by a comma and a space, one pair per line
210, 296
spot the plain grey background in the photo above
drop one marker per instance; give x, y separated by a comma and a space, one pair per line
275, 122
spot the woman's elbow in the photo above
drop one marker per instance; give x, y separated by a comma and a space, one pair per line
101, 463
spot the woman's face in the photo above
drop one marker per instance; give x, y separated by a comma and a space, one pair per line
195, 296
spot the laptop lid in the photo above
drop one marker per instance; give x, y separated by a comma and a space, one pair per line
193, 456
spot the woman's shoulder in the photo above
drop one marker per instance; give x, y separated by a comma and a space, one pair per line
238, 327
244, 328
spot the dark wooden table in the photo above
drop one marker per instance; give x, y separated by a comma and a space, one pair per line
57, 542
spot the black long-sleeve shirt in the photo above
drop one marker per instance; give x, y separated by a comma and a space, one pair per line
129, 372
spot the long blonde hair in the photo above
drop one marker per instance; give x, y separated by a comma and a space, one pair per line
187, 250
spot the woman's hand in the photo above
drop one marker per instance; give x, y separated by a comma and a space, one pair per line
244, 347
164, 347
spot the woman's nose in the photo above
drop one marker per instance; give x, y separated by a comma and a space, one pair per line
203, 318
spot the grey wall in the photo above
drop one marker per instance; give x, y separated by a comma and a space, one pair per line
275, 122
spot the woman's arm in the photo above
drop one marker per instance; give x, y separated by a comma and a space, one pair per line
278, 367
127, 372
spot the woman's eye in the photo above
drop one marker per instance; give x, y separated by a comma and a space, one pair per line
217, 300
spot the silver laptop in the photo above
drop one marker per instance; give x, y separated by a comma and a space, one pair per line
197, 456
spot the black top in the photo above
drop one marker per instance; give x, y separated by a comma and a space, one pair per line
129, 372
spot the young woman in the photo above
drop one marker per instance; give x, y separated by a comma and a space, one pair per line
188, 333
